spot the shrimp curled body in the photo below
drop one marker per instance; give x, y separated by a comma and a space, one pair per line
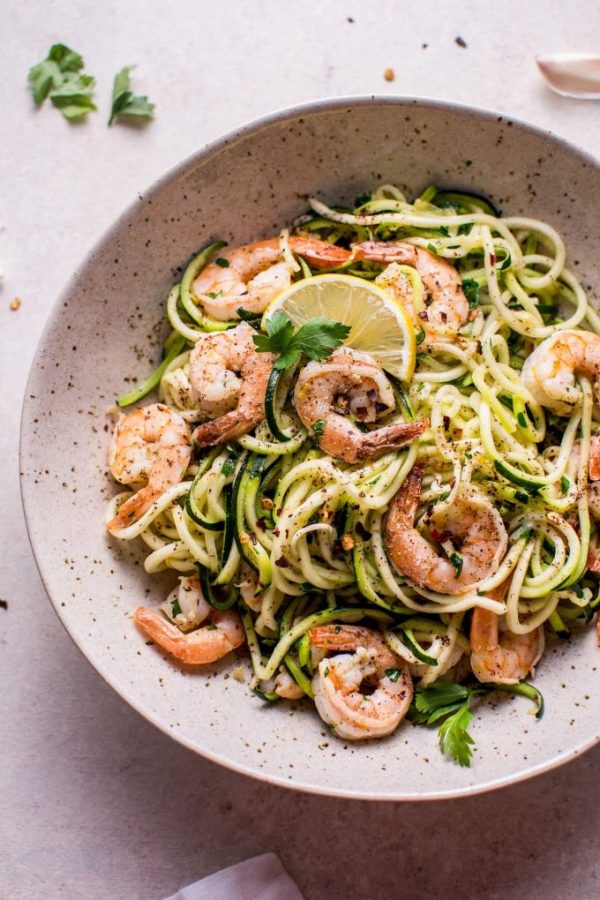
504, 658
549, 372
336, 685
448, 308
229, 379
221, 633
470, 519
254, 274
350, 382
150, 449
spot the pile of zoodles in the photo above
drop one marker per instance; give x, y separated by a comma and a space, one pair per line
405, 580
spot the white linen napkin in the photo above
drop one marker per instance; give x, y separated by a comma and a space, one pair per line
260, 878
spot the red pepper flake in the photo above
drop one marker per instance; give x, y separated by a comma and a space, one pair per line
282, 563
493, 259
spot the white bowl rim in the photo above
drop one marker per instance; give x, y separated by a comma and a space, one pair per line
256, 125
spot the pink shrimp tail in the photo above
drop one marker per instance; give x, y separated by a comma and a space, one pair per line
403, 507
319, 253
384, 440
382, 252
226, 428
134, 508
594, 466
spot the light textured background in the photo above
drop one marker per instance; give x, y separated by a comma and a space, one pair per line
94, 803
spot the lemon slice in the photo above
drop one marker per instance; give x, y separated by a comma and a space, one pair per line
379, 325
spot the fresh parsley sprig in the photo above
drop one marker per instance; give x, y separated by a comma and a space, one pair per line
452, 702
449, 701
317, 338
59, 77
125, 102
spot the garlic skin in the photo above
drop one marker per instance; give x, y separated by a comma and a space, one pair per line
572, 74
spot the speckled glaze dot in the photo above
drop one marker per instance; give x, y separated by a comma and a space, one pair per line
105, 332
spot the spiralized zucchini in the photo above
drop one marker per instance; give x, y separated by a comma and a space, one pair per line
304, 533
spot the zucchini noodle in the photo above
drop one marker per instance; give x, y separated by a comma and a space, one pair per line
291, 539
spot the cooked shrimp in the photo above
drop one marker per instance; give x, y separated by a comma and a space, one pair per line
549, 372
150, 448
355, 716
350, 383
470, 519
256, 273
207, 644
286, 687
594, 464
185, 605
448, 308
593, 561
229, 378
502, 657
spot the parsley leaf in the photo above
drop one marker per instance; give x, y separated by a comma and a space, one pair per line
175, 608
125, 102
455, 740
393, 674
59, 77
449, 701
74, 98
471, 292
317, 338
51, 72
442, 693
457, 561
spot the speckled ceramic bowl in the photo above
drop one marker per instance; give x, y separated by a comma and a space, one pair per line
107, 326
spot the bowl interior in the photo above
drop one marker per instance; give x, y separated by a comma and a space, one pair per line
107, 327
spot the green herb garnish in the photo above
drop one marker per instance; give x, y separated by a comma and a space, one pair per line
319, 427
317, 338
59, 77
452, 702
457, 561
175, 608
471, 292
449, 701
125, 102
